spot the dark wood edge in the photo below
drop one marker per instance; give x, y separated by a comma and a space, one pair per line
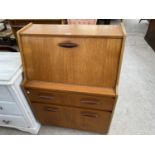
7, 48
150, 42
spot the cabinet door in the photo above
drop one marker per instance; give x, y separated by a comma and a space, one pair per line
91, 120
52, 114
83, 119
72, 60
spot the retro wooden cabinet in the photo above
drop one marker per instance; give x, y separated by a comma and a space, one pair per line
72, 73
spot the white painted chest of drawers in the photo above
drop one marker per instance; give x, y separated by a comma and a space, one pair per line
14, 109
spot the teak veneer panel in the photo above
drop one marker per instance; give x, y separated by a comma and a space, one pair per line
69, 88
84, 119
87, 64
72, 99
75, 30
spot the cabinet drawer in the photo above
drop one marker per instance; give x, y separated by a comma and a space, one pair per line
9, 108
12, 121
46, 97
93, 102
52, 115
72, 99
5, 95
84, 119
91, 120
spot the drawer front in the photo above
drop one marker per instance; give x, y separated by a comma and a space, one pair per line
5, 95
93, 102
84, 119
46, 97
91, 120
52, 115
9, 108
12, 121
72, 99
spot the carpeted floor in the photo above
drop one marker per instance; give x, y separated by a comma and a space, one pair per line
135, 110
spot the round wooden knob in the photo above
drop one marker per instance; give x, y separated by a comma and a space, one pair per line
28, 92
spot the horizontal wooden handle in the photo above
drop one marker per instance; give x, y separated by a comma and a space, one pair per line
50, 109
46, 97
91, 102
68, 44
89, 114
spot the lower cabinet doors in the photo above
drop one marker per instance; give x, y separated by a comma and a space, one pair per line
79, 118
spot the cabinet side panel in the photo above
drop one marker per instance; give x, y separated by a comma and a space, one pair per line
27, 53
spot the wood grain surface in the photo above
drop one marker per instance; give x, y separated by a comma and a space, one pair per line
93, 63
75, 30
83, 119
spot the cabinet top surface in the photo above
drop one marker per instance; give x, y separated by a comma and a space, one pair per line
10, 63
74, 30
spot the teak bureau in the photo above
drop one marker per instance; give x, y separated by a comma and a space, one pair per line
71, 73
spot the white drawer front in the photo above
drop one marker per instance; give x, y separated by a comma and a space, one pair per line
5, 94
9, 108
12, 121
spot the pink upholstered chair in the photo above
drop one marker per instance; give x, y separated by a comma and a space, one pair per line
82, 21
